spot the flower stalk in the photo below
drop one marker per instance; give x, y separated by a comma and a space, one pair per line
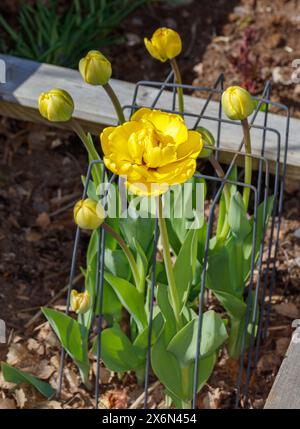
168, 264
220, 172
126, 250
248, 161
115, 101
178, 80
88, 144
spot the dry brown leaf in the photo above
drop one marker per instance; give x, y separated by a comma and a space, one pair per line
118, 399
47, 336
16, 354
49, 405
21, 398
43, 370
55, 361
212, 399
105, 374
269, 362
287, 309
282, 346
72, 379
7, 404
32, 344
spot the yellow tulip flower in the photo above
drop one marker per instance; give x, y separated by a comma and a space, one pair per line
95, 68
80, 302
153, 151
164, 45
88, 214
56, 105
237, 103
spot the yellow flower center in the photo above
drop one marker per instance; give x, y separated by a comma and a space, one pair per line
151, 148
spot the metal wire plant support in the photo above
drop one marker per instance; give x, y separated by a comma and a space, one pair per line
263, 271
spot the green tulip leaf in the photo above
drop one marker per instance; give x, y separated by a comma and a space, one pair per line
237, 217
117, 351
168, 370
130, 298
141, 341
72, 335
184, 344
167, 311
185, 265
140, 228
15, 375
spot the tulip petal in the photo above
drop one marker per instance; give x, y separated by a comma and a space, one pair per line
192, 147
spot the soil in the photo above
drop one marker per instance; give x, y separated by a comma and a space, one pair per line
40, 181
249, 41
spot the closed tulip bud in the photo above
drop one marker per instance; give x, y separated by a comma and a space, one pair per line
164, 45
95, 68
237, 103
80, 302
208, 140
56, 105
88, 214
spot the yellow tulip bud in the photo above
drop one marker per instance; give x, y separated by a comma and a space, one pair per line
80, 302
56, 105
208, 140
164, 45
88, 214
95, 68
237, 103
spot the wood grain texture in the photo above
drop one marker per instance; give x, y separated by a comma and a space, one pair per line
25, 80
285, 392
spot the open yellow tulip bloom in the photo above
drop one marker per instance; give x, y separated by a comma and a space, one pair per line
153, 151
237, 103
164, 45
80, 302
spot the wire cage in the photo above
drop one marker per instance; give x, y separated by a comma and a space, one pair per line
262, 277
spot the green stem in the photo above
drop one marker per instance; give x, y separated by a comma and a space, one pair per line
115, 101
168, 264
127, 252
88, 144
248, 161
185, 376
220, 172
178, 80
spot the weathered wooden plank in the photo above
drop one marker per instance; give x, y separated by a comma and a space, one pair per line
25, 80
285, 392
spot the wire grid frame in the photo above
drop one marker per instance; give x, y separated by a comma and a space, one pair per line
265, 266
